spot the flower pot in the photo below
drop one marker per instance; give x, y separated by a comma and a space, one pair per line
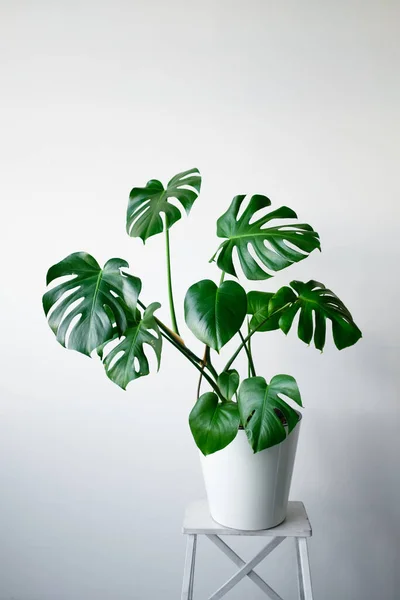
250, 491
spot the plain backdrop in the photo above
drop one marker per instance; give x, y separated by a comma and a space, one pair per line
295, 100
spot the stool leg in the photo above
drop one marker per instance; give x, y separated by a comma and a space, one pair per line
303, 566
188, 574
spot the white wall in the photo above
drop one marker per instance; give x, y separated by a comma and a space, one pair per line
298, 100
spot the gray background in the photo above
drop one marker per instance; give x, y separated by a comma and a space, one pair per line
298, 100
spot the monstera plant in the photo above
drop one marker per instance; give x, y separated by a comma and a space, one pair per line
100, 311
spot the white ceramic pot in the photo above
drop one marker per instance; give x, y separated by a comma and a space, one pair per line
250, 491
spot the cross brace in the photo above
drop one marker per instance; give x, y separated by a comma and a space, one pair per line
247, 568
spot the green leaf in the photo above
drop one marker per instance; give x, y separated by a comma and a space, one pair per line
120, 362
284, 296
132, 320
147, 203
241, 232
98, 296
228, 383
257, 306
316, 304
261, 409
213, 424
214, 314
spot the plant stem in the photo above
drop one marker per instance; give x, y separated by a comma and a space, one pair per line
181, 345
249, 344
169, 279
194, 363
246, 339
172, 334
202, 371
252, 370
222, 277
208, 365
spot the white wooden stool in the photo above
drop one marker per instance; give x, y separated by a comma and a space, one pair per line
198, 522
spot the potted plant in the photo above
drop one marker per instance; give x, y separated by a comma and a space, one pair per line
246, 431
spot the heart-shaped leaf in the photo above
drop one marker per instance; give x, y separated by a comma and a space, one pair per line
213, 424
228, 383
214, 314
99, 297
127, 361
313, 298
146, 204
262, 410
286, 243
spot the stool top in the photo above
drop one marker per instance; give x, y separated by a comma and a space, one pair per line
198, 520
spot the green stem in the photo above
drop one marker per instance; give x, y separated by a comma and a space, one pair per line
194, 363
222, 277
172, 334
185, 350
248, 346
179, 345
206, 351
209, 364
249, 343
252, 370
169, 279
246, 339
